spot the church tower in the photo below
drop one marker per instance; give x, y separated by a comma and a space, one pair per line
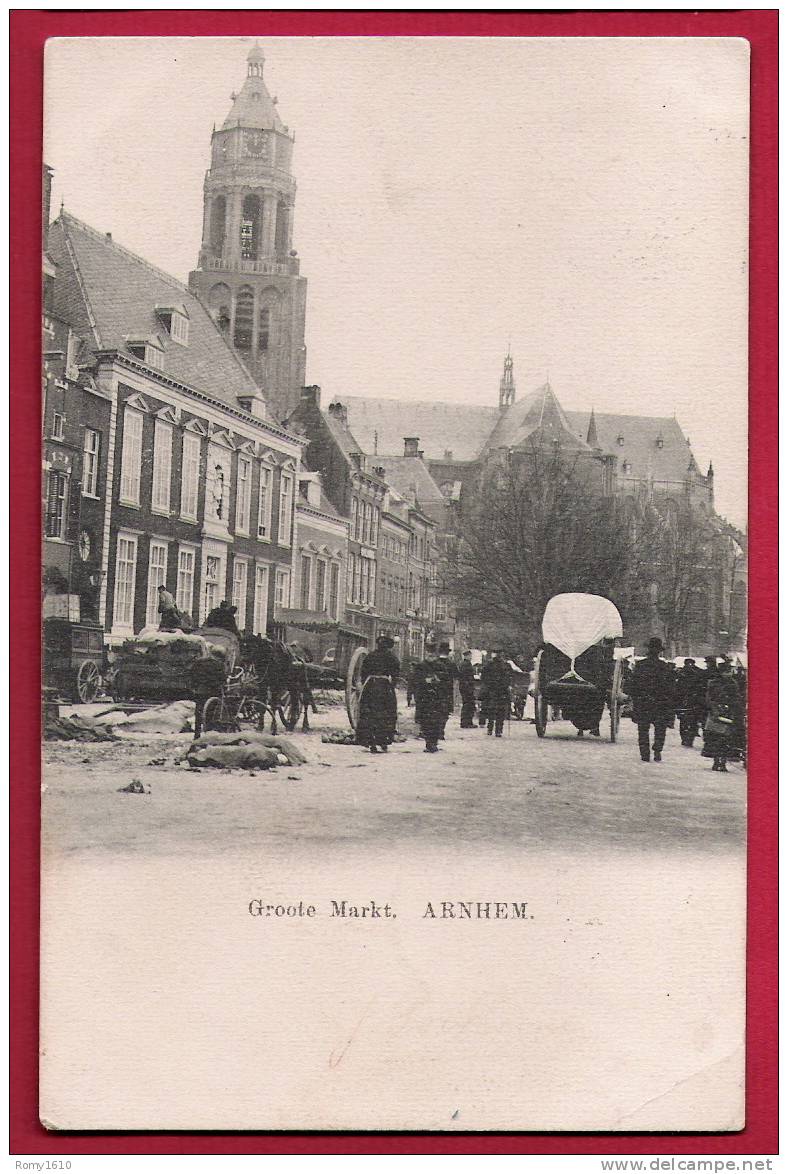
506, 388
248, 271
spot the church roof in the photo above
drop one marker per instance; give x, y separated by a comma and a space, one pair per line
460, 429
638, 443
110, 296
539, 412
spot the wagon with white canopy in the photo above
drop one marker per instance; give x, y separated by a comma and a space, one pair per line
576, 671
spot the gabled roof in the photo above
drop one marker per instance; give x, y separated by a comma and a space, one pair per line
537, 413
460, 429
110, 295
639, 447
412, 480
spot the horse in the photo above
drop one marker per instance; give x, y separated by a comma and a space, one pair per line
278, 672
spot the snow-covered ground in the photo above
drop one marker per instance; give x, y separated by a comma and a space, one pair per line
615, 1002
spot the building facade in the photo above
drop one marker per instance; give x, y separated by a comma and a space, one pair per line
185, 480
248, 271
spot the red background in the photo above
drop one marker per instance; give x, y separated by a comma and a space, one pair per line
29, 30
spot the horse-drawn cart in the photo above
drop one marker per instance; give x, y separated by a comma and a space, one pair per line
575, 671
73, 658
156, 666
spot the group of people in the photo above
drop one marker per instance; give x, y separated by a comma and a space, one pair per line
711, 700
431, 687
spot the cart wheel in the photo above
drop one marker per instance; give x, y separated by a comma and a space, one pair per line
290, 709
87, 680
540, 701
250, 710
211, 714
354, 685
615, 701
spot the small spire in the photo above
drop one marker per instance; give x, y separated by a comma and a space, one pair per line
711, 470
506, 388
592, 439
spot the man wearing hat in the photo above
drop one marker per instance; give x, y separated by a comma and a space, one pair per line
377, 711
495, 682
653, 692
450, 669
429, 687
467, 683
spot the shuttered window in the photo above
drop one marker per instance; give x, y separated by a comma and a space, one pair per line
190, 474
162, 466
57, 495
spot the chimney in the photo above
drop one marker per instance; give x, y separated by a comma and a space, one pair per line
412, 446
447, 454
339, 411
381, 472
311, 395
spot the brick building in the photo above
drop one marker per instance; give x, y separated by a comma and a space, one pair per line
195, 484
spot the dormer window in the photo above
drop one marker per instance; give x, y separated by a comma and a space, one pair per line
175, 321
626, 467
620, 440
660, 441
148, 350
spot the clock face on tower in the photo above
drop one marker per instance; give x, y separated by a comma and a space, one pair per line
256, 144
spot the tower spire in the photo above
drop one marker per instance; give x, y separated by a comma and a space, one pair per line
506, 388
592, 439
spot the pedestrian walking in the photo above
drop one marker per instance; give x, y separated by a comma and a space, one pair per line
690, 700
429, 688
653, 692
467, 685
450, 676
377, 715
206, 680
723, 700
495, 682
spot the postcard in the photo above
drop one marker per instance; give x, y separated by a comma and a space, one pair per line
395, 407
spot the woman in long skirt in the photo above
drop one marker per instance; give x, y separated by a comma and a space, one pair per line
723, 701
377, 712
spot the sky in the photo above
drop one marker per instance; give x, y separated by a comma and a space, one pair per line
581, 200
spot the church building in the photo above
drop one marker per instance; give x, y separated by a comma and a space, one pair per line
248, 271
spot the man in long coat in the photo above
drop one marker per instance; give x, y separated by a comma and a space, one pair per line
653, 692
377, 713
495, 682
467, 684
450, 669
429, 686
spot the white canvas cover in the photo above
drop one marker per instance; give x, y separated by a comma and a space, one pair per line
573, 622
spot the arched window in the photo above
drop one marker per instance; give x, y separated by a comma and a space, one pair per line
280, 240
218, 219
219, 304
250, 228
244, 317
264, 328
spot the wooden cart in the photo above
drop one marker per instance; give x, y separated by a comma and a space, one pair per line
73, 658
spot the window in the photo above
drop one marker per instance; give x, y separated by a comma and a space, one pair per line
282, 588
260, 599
154, 356
364, 523
354, 518
125, 573
333, 592
239, 590
162, 467
441, 612
57, 425
157, 576
351, 574
90, 462
179, 328
306, 580
57, 493
264, 503
285, 509
244, 316
131, 457
212, 583
243, 495
320, 585
184, 592
364, 590
372, 584
373, 526
264, 329
190, 475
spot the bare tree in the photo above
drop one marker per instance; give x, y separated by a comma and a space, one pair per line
534, 526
